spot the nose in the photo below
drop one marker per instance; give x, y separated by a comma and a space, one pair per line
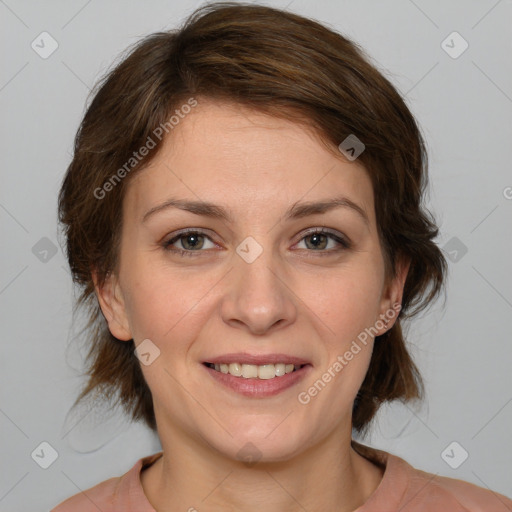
257, 297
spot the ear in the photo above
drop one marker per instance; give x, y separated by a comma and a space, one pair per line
391, 299
113, 307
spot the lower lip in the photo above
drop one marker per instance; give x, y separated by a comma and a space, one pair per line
259, 388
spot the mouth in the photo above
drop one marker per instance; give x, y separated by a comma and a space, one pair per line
253, 371
257, 376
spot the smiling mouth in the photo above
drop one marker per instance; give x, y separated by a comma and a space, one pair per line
253, 371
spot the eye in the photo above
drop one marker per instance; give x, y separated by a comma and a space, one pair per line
318, 240
190, 241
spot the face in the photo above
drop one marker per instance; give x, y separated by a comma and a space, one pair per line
267, 284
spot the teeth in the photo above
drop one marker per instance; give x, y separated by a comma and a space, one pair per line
266, 371
235, 369
280, 369
252, 371
249, 371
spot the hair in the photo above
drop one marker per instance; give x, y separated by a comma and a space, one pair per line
283, 65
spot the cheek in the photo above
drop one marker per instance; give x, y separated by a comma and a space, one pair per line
348, 305
346, 302
163, 305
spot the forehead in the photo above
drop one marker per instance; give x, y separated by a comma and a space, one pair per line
246, 160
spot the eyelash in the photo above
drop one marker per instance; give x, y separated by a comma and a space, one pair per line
345, 244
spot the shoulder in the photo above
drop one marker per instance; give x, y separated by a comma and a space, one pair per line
101, 496
406, 488
118, 493
452, 494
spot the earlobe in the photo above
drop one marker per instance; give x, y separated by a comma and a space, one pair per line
112, 305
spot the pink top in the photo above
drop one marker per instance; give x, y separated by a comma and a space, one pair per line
402, 488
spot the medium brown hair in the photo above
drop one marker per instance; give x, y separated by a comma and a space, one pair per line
280, 64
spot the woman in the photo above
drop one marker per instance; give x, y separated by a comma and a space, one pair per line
244, 213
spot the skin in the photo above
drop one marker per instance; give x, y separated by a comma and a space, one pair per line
294, 299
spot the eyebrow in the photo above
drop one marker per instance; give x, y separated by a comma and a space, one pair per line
296, 211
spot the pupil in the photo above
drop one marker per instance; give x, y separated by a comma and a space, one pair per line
194, 243
316, 236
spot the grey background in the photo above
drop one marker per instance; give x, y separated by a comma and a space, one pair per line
464, 106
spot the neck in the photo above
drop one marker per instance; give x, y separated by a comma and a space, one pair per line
327, 476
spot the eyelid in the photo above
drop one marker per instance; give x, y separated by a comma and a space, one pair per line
184, 231
325, 231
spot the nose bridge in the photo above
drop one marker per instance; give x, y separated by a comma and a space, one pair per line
258, 295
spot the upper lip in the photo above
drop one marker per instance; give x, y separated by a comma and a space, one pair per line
245, 358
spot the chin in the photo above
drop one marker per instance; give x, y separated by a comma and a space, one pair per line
264, 444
